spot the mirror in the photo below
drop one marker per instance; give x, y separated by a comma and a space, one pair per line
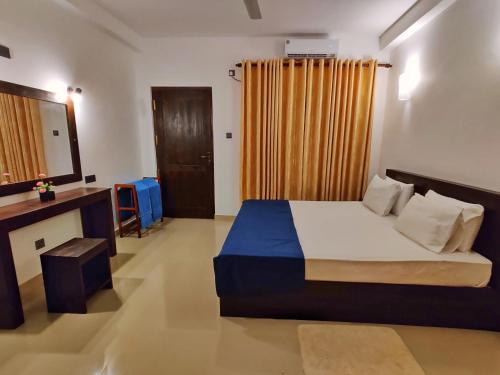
37, 136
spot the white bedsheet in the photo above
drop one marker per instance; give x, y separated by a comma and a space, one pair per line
344, 241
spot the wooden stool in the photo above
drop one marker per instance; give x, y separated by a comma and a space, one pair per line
73, 271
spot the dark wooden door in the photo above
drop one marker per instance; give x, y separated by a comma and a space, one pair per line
184, 150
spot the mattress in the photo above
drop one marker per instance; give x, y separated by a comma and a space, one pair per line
345, 241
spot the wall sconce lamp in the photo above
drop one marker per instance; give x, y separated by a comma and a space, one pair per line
62, 92
409, 79
404, 87
75, 94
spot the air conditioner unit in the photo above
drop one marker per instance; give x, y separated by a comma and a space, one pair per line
311, 48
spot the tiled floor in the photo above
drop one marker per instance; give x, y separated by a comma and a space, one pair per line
162, 318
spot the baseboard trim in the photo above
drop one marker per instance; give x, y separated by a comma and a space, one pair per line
225, 217
127, 226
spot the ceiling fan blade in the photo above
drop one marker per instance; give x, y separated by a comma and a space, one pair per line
253, 9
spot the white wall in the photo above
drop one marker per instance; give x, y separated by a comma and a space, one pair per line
49, 42
205, 62
450, 128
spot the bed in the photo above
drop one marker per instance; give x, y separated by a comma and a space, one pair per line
339, 261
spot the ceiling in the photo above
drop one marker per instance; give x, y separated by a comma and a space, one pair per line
158, 18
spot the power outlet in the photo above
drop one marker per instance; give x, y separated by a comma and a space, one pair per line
232, 73
40, 244
4, 52
90, 178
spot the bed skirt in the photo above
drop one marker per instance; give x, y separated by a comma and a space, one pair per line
472, 308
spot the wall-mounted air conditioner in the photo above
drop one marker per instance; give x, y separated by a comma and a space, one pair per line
311, 48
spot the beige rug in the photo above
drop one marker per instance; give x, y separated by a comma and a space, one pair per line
354, 350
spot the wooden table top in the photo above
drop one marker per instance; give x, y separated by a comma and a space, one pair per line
29, 211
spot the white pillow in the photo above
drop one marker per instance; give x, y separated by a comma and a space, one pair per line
428, 222
404, 196
381, 195
456, 238
470, 221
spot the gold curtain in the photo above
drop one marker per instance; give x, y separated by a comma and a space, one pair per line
22, 153
306, 128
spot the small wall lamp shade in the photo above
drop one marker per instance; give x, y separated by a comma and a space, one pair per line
410, 79
404, 87
75, 94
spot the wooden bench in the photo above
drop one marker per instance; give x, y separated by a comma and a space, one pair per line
73, 271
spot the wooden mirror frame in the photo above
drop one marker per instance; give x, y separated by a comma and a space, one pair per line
30, 92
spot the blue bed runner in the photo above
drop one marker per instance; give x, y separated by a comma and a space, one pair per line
262, 252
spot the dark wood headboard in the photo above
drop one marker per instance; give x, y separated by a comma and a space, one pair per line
488, 239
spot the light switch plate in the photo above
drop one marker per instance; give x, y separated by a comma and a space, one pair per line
4, 52
90, 178
40, 244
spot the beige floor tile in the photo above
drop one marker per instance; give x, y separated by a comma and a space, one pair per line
162, 318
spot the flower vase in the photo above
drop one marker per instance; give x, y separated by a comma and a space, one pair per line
47, 196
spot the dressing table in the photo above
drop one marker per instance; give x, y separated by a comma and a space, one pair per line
38, 138
97, 222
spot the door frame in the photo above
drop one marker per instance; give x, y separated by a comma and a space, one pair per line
157, 117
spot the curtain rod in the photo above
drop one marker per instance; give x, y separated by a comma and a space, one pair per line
299, 63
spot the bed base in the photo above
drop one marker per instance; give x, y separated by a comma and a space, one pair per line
471, 308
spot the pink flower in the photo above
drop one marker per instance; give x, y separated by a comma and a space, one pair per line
42, 175
42, 190
34, 188
39, 183
6, 174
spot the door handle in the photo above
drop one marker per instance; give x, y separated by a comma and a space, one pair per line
208, 157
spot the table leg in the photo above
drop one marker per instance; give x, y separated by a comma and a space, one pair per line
11, 309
